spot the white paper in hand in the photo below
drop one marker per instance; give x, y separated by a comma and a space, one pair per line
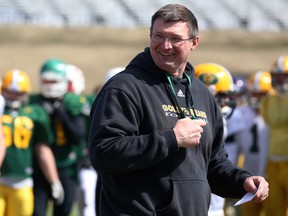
246, 198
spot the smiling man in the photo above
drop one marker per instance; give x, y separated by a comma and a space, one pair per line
156, 136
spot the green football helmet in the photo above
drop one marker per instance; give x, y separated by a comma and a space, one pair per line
53, 78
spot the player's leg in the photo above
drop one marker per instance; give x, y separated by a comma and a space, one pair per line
42, 193
88, 180
275, 203
3, 200
69, 186
20, 201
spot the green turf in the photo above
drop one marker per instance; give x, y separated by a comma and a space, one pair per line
74, 212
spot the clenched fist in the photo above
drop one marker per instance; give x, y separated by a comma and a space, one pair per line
188, 132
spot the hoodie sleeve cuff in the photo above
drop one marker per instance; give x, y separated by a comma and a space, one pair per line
170, 141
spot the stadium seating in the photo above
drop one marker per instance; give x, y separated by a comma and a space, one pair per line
9, 13
211, 14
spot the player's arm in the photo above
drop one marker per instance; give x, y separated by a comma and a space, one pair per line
47, 162
47, 165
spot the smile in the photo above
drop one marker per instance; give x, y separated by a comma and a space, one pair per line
166, 54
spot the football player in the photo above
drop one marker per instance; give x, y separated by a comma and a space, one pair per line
68, 127
255, 137
219, 81
275, 113
27, 135
87, 174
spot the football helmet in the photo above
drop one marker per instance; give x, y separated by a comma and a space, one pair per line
76, 79
53, 79
16, 87
259, 84
220, 83
279, 73
216, 77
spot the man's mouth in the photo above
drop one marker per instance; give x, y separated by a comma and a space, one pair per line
166, 54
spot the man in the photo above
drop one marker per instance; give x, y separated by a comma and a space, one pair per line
254, 139
274, 111
219, 81
27, 134
87, 176
156, 137
68, 128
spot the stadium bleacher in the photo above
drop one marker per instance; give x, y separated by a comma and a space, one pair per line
211, 14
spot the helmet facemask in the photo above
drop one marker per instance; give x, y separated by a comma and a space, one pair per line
279, 73
15, 100
280, 82
254, 99
52, 85
227, 103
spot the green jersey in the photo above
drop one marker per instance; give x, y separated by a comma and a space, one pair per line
64, 149
23, 129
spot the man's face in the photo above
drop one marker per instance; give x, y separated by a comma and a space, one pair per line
170, 46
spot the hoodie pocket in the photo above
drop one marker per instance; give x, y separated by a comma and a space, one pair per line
188, 197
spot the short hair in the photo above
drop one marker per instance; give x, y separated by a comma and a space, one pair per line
176, 12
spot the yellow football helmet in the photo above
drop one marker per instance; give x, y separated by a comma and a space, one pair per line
259, 84
16, 81
220, 83
259, 81
216, 77
15, 88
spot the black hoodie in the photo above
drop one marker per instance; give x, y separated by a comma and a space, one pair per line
132, 145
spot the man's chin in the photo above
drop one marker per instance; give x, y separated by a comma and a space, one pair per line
167, 66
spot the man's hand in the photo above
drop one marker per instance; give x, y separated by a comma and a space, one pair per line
258, 185
57, 192
188, 132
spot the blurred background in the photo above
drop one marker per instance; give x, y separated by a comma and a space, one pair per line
242, 35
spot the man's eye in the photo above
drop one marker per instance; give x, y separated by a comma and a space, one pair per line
175, 40
158, 37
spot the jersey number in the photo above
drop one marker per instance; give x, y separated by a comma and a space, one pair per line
22, 132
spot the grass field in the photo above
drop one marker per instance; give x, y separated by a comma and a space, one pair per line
74, 212
97, 49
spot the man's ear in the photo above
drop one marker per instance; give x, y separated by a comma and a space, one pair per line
195, 42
